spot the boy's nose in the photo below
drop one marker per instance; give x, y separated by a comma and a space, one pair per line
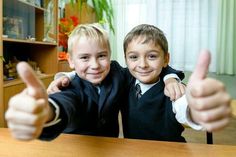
94, 63
142, 63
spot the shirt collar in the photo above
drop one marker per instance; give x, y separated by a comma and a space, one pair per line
98, 89
145, 87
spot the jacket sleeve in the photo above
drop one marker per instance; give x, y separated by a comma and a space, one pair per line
66, 101
170, 70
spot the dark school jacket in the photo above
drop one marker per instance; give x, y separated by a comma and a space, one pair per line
82, 111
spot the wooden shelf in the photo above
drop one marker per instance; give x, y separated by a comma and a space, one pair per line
37, 8
28, 41
19, 81
34, 21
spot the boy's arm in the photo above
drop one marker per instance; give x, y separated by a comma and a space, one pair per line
208, 106
29, 110
61, 79
182, 114
70, 75
209, 103
174, 88
178, 74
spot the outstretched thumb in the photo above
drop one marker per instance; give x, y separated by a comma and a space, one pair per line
201, 69
35, 87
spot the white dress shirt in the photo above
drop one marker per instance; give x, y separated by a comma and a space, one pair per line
179, 107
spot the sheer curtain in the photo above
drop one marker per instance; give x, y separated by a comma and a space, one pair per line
189, 25
226, 49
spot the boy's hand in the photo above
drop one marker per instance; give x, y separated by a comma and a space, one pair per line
208, 100
58, 84
174, 89
29, 110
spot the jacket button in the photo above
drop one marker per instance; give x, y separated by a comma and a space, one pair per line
102, 121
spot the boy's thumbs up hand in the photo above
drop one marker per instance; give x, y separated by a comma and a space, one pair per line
201, 69
35, 88
29, 110
207, 98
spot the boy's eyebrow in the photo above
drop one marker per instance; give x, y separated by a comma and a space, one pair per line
153, 50
150, 50
85, 53
105, 51
131, 51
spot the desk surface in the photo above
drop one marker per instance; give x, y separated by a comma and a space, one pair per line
88, 146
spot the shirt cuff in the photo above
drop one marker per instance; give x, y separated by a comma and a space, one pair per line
171, 76
57, 114
182, 113
191, 124
70, 75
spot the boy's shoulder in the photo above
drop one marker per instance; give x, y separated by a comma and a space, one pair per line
77, 88
123, 72
115, 64
76, 85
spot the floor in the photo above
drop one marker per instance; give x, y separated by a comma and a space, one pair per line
225, 137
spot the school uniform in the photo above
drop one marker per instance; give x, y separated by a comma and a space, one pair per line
83, 111
151, 116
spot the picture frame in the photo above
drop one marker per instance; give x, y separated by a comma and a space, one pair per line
13, 27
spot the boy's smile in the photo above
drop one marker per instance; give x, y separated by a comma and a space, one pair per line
145, 60
91, 60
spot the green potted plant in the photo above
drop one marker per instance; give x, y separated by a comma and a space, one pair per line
103, 10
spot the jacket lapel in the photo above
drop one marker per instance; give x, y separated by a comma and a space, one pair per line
104, 93
91, 92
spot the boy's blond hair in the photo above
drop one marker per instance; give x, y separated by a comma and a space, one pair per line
91, 31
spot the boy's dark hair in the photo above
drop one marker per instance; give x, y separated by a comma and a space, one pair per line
150, 33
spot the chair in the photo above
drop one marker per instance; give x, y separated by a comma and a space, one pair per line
209, 135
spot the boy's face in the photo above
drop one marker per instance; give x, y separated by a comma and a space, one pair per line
145, 60
90, 59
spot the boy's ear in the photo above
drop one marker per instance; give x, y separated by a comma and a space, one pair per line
70, 61
166, 59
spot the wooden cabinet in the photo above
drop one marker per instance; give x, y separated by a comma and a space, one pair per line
64, 66
86, 15
28, 33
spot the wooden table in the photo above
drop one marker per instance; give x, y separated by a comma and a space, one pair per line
88, 146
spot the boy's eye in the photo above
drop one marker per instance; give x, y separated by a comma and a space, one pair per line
133, 57
102, 56
152, 56
84, 58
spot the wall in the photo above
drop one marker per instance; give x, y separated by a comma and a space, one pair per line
229, 81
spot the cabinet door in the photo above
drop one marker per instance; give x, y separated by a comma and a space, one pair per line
9, 91
30, 20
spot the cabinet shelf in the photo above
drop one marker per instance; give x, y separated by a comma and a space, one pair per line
37, 8
19, 81
20, 20
28, 41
